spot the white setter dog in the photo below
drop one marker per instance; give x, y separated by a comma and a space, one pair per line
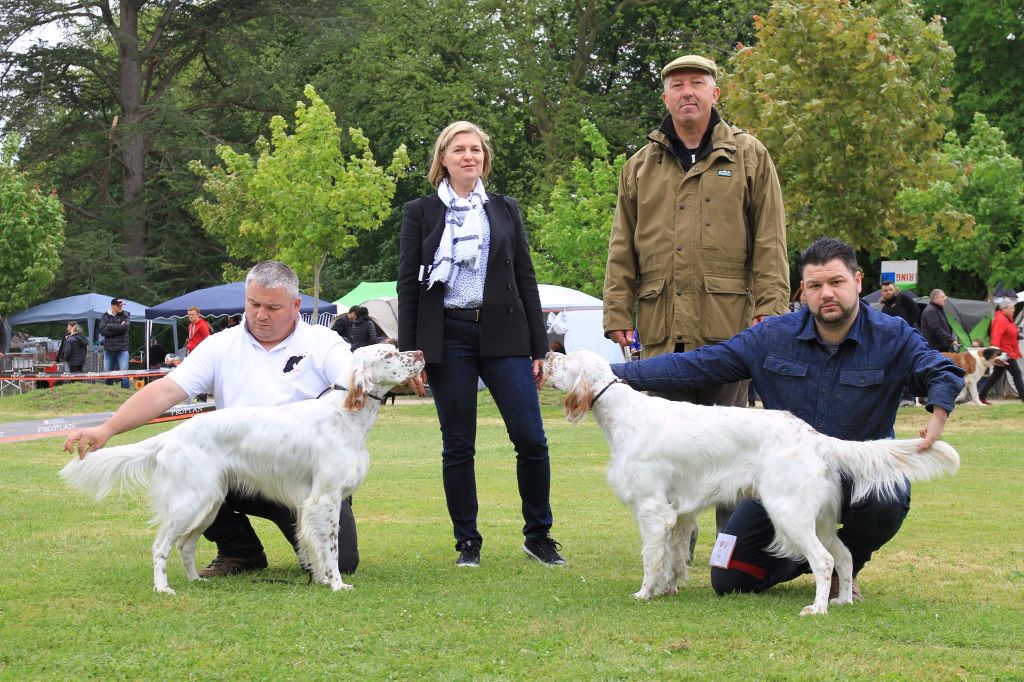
671, 460
308, 455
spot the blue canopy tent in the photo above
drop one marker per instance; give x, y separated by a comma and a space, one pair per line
224, 299
83, 307
228, 299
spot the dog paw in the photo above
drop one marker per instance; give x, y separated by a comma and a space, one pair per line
813, 610
342, 586
164, 590
643, 595
839, 601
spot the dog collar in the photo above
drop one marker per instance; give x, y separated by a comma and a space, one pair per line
339, 387
332, 387
607, 386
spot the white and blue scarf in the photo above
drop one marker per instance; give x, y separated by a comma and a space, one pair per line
461, 240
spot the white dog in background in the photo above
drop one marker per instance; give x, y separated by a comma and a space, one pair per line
308, 455
672, 460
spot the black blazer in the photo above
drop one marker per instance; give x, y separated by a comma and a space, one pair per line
511, 321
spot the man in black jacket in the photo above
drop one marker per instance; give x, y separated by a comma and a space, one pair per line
934, 326
114, 328
899, 303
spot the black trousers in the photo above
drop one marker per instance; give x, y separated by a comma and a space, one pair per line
1014, 369
235, 537
867, 525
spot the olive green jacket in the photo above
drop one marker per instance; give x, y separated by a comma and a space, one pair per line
701, 253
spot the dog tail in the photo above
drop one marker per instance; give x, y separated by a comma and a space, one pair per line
129, 466
882, 466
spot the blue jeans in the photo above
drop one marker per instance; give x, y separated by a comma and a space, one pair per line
453, 383
117, 359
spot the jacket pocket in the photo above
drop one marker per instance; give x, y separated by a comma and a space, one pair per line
780, 366
727, 306
652, 309
858, 395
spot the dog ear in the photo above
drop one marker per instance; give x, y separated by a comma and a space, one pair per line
577, 400
355, 398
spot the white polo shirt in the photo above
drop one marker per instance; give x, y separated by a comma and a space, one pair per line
237, 370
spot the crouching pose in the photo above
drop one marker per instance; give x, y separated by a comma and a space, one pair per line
838, 365
272, 358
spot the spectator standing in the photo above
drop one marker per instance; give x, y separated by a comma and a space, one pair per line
4, 337
343, 323
198, 329
698, 243
468, 298
73, 348
114, 326
363, 331
1004, 336
934, 326
899, 303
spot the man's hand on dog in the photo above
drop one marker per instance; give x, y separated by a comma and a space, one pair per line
87, 440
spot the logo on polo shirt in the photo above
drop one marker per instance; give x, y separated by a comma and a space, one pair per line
292, 363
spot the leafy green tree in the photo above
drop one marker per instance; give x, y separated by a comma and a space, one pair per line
570, 237
849, 99
985, 189
301, 200
31, 234
988, 73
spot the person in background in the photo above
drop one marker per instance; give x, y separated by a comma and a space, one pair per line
114, 326
1004, 336
934, 326
198, 329
4, 337
73, 348
899, 303
468, 298
232, 321
343, 323
363, 331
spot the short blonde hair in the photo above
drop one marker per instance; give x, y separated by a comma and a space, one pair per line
437, 171
191, 308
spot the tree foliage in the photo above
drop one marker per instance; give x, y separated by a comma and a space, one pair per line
570, 241
849, 99
31, 234
984, 188
988, 74
301, 200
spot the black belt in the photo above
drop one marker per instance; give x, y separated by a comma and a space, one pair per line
465, 314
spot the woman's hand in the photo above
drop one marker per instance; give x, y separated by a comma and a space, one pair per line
538, 372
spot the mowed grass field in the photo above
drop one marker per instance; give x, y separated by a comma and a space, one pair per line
943, 600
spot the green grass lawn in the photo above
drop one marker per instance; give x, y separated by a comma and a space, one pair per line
942, 601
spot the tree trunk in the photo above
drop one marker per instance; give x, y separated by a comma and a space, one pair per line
133, 142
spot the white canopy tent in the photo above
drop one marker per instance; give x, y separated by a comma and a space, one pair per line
576, 319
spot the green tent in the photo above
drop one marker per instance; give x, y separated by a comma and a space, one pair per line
365, 292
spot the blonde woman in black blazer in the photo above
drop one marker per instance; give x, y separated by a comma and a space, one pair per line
468, 298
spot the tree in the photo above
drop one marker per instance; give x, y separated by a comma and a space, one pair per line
849, 99
988, 73
985, 189
31, 234
301, 200
570, 240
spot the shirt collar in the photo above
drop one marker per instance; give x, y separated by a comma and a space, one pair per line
284, 343
856, 333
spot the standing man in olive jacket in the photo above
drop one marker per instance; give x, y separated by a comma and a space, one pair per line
699, 237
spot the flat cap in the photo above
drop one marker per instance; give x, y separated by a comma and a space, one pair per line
690, 61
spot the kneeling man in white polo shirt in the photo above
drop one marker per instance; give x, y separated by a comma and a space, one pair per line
272, 358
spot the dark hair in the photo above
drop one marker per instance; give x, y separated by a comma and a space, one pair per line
354, 309
826, 250
362, 313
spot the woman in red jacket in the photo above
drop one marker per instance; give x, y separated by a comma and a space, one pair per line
1004, 337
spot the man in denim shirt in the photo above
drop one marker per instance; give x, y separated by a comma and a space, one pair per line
840, 366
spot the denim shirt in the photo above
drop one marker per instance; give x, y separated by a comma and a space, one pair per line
852, 394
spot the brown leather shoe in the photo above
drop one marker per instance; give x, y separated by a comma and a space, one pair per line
229, 565
833, 589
